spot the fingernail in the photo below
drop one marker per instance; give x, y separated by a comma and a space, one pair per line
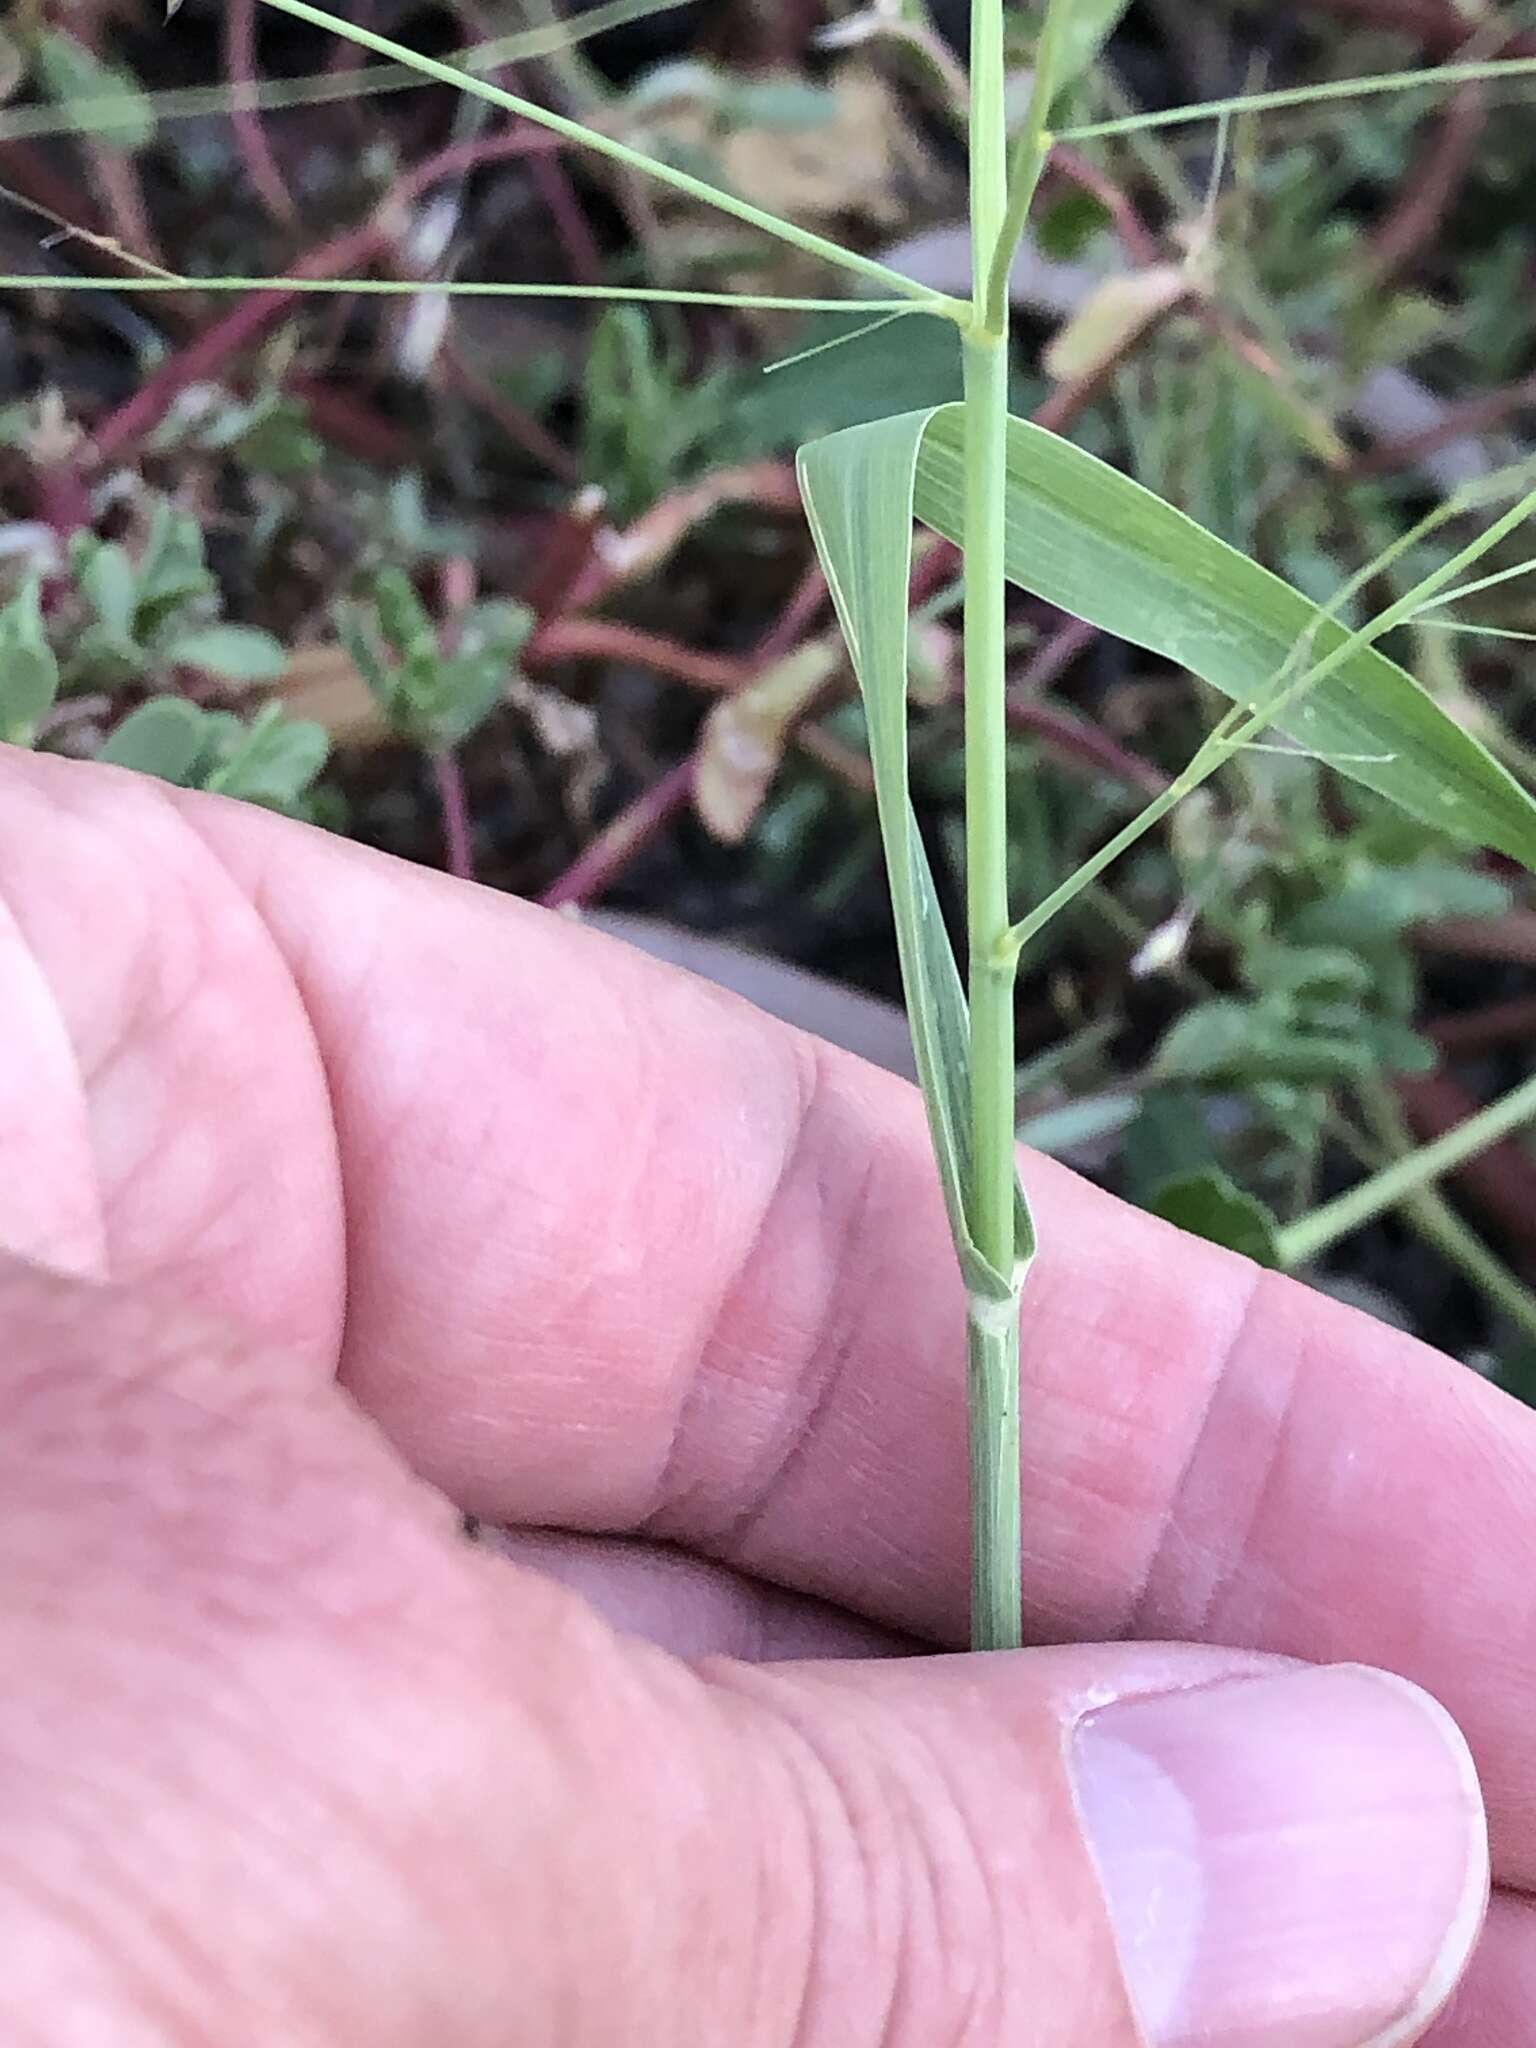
1294, 1859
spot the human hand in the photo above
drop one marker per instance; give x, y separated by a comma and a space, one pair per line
610, 1261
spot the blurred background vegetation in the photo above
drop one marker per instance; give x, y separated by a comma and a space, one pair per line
522, 589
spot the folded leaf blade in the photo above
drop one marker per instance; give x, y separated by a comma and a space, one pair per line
858, 488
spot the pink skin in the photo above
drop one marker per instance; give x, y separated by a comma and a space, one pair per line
605, 1257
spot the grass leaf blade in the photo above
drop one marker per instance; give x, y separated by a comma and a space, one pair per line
1106, 550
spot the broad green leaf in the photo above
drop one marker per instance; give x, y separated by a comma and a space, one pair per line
1210, 1205
29, 672
1086, 538
240, 654
104, 100
858, 488
1380, 903
1229, 1040
1089, 27
163, 737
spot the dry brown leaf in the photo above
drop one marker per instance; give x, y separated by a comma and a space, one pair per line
323, 683
744, 738
1113, 319
630, 556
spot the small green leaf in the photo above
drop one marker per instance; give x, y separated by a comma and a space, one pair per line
1208, 1204
1380, 903
273, 761
403, 619
1089, 27
858, 489
101, 99
106, 576
354, 630
163, 737
1276, 969
29, 672
1104, 549
1228, 1040
240, 654
172, 569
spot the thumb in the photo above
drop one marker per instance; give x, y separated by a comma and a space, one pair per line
1097, 1848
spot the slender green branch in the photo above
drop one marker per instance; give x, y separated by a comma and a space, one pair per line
1483, 583
1441, 76
1029, 155
1216, 749
993, 1329
1431, 1215
619, 152
1311, 1235
188, 102
462, 288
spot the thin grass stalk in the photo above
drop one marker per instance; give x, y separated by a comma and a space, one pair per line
993, 1329
1310, 1236
999, 205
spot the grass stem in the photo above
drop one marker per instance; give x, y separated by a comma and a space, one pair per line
1310, 1236
1438, 77
993, 1329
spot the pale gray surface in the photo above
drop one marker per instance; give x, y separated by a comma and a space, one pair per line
860, 1024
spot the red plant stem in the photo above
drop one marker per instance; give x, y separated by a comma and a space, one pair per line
351, 424
25, 171
1479, 415
1431, 190
1078, 739
206, 355
1136, 238
584, 260
261, 166
1439, 28
62, 500
1476, 1030
519, 426
609, 640
1511, 937
567, 549
599, 865
796, 619
451, 796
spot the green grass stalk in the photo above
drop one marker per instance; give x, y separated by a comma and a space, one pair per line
999, 201
1311, 1235
1439, 77
992, 1328
460, 288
